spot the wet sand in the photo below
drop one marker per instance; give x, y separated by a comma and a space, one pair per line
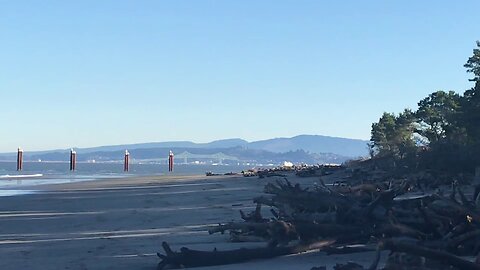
120, 223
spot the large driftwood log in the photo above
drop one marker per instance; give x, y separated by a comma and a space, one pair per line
196, 258
438, 255
454, 210
282, 232
260, 228
255, 216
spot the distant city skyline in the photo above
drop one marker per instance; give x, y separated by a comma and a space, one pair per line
92, 73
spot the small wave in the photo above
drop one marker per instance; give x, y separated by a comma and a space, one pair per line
14, 192
7, 176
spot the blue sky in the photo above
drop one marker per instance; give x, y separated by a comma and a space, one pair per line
87, 73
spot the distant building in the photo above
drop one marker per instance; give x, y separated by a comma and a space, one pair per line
287, 164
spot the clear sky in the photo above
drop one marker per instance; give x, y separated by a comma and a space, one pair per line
87, 73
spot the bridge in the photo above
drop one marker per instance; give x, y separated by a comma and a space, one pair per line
217, 156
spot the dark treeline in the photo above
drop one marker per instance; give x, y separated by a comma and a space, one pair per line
443, 134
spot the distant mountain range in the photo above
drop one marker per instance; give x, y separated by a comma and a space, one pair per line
303, 148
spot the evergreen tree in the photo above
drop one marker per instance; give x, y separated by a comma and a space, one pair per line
392, 136
473, 63
437, 116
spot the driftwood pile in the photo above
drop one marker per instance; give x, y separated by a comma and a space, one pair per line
318, 170
436, 229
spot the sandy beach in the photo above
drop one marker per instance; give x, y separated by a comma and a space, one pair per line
120, 223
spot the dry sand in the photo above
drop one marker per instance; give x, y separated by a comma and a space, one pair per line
120, 223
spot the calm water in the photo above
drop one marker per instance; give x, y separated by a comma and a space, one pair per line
40, 173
